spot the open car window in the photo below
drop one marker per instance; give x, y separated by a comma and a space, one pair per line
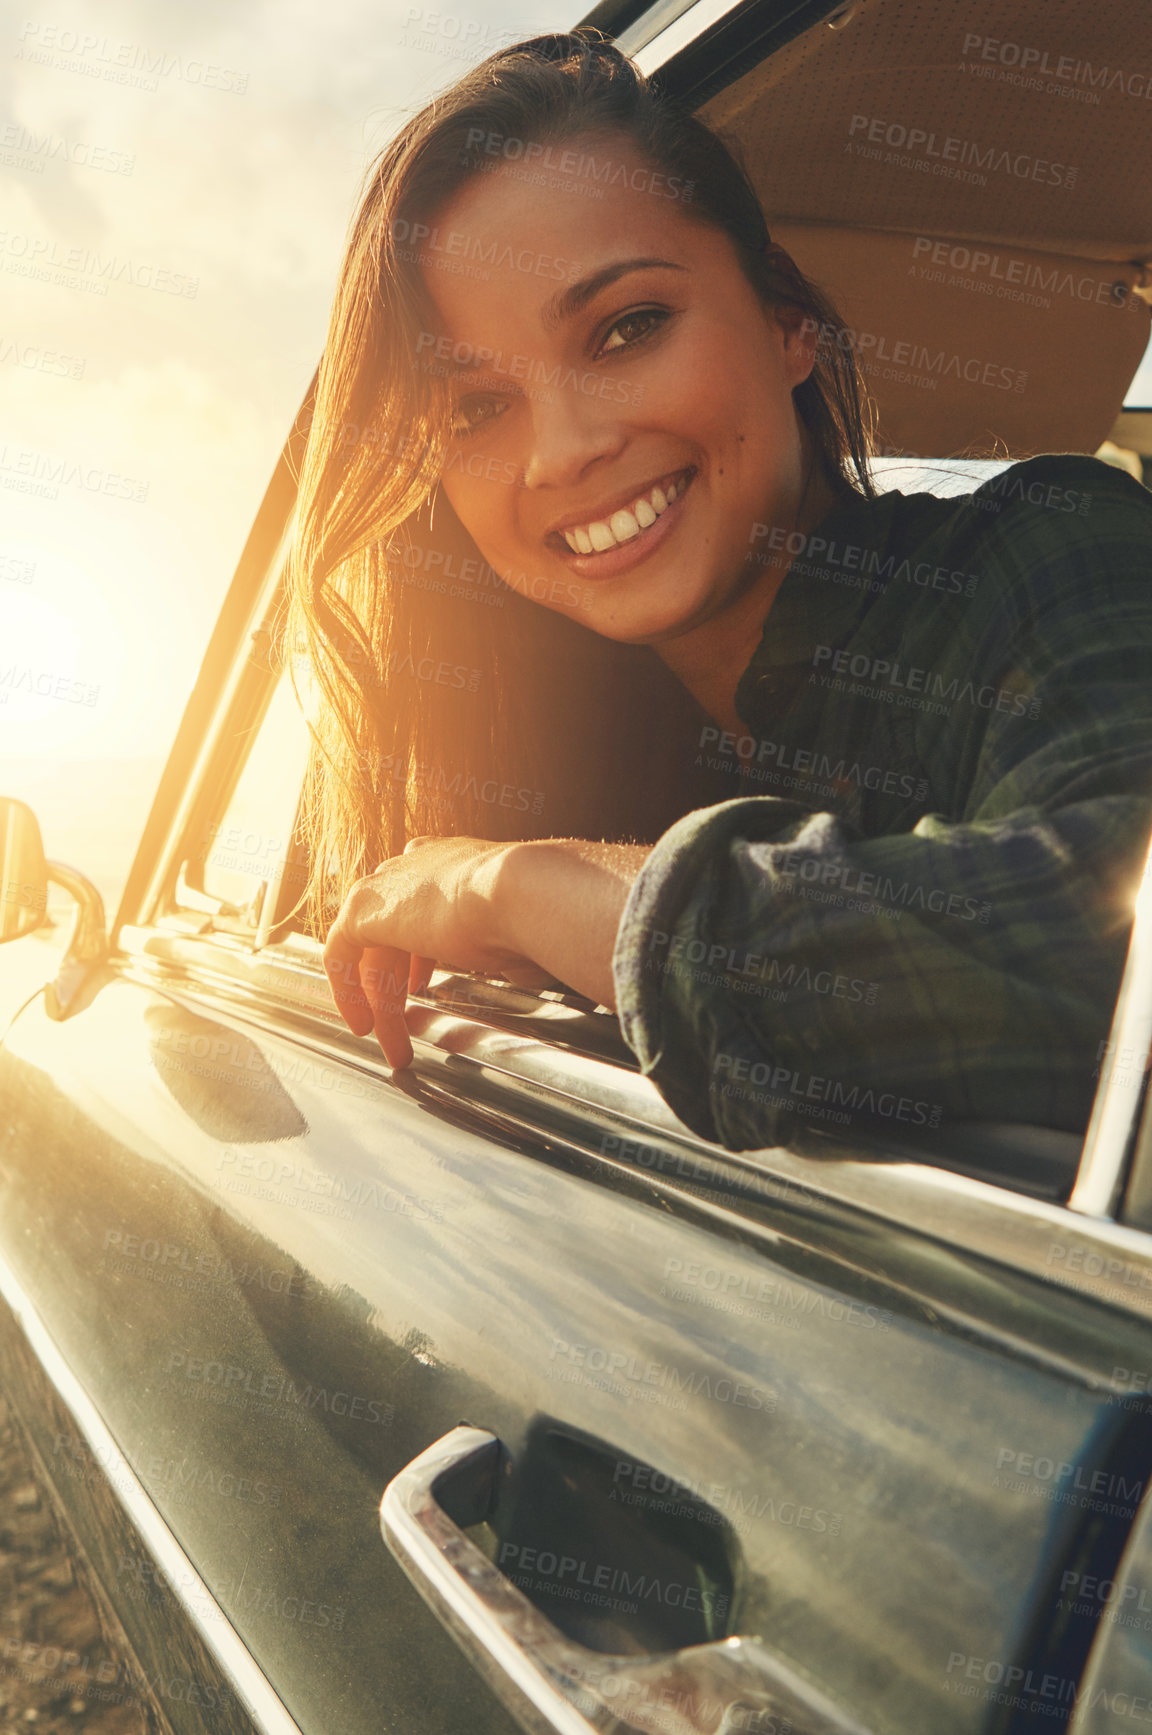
246, 862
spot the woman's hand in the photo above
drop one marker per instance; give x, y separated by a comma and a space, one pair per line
528, 912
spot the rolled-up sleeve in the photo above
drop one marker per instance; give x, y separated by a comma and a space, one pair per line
770, 967
776, 963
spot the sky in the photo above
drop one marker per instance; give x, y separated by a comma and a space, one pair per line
175, 188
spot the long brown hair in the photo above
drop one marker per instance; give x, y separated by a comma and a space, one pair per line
446, 702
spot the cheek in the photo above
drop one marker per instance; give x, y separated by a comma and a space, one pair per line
475, 503
485, 509
716, 384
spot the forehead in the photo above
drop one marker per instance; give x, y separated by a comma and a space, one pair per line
519, 230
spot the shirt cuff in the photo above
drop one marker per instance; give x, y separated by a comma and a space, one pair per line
676, 1013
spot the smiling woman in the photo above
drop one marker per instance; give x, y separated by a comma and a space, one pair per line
887, 750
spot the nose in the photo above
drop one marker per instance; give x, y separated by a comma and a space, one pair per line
569, 431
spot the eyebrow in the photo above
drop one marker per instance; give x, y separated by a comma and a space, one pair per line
569, 302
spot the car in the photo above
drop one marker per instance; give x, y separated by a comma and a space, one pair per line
485, 1395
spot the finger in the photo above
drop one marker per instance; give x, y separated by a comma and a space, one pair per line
342, 967
420, 973
384, 972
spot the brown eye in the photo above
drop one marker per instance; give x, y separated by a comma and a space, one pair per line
632, 328
472, 413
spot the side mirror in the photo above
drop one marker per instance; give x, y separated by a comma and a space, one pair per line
23, 872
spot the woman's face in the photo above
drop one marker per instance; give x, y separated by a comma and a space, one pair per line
624, 407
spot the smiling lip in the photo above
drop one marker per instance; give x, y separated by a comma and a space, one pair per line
625, 555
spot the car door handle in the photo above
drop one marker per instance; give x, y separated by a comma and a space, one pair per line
551, 1684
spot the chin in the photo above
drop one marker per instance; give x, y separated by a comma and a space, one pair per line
638, 625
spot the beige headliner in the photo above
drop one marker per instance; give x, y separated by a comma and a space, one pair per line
1000, 337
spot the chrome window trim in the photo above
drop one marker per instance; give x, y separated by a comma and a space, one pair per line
1122, 1095
679, 33
1105, 1261
168, 860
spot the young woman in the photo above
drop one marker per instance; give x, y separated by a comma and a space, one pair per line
631, 680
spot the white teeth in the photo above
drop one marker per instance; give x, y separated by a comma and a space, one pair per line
623, 525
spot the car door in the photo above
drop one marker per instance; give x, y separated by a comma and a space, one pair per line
731, 1397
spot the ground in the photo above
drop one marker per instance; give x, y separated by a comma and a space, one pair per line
57, 1673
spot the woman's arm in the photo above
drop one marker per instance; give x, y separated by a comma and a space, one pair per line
524, 911
561, 900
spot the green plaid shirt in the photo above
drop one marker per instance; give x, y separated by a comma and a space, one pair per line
917, 909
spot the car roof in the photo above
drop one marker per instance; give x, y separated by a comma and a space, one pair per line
968, 184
